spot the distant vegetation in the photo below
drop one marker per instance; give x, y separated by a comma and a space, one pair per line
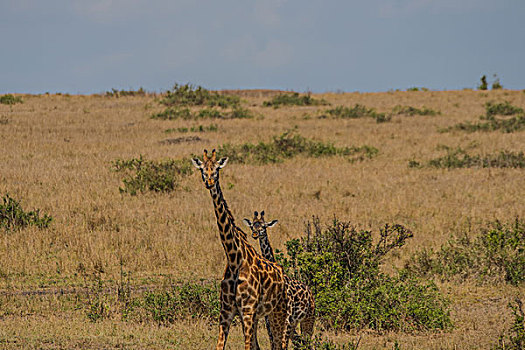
172, 113
208, 104
342, 266
294, 99
411, 111
141, 175
495, 254
459, 158
483, 84
288, 145
10, 99
358, 111
123, 93
513, 119
189, 95
200, 128
14, 217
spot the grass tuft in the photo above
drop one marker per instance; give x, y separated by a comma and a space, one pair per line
288, 145
496, 254
10, 99
459, 158
141, 175
358, 111
13, 217
491, 123
294, 99
189, 95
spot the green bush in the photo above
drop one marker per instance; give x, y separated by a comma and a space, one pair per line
496, 254
146, 175
411, 111
358, 111
123, 93
491, 123
483, 83
293, 99
504, 108
459, 158
12, 216
341, 265
189, 95
288, 145
189, 300
172, 113
10, 99
199, 128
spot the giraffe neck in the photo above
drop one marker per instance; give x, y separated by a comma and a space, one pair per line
231, 235
266, 248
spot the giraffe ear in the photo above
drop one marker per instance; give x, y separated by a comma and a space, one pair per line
271, 223
247, 222
196, 162
222, 162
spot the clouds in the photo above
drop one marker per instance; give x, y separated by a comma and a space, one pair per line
95, 45
406, 8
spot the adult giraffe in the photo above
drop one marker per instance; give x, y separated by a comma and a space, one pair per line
252, 286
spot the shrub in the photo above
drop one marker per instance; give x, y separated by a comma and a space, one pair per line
189, 95
411, 111
504, 108
483, 83
288, 145
341, 265
12, 216
146, 175
496, 254
187, 300
199, 128
293, 99
123, 93
459, 158
516, 123
172, 113
10, 99
496, 85
358, 111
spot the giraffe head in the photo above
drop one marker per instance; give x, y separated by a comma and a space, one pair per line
209, 167
258, 225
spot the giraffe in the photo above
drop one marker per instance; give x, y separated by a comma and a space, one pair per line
252, 287
303, 305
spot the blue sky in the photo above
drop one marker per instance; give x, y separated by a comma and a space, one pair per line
84, 46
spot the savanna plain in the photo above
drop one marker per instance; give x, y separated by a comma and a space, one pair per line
95, 275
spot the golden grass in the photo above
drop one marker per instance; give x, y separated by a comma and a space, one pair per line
57, 153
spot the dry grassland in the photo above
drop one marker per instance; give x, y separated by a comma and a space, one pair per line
56, 153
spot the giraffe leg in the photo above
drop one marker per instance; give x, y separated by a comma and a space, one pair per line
277, 330
289, 324
269, 329
255, 343
249, 323
225, 320
307, 329
228, 312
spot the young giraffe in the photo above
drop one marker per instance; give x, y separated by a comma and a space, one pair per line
252, 286
303, 305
